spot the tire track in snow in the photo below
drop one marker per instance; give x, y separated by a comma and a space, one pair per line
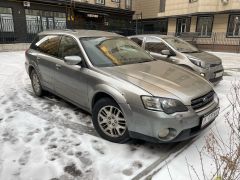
22, 104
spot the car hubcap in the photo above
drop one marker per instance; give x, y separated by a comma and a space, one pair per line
36, 83
111, 121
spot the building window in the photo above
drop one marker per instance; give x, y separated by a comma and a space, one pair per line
38, 20
204, 26
192, 1
162, 5
128, 4
116, 1
234, 26
183, 25
156, 27
6, 20
100, 2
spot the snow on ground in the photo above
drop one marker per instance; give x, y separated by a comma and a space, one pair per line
48, 138
177, 163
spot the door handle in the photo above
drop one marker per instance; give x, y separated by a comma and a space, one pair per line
58, 66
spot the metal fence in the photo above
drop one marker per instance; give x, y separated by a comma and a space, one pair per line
217, 41
33, 27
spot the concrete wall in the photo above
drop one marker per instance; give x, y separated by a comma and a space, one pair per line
14, 47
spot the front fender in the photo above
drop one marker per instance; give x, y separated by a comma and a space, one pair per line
114, 93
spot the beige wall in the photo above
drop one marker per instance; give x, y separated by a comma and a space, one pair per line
182, 7
193, 24
172, 25
220, 23
108, 3
148, 8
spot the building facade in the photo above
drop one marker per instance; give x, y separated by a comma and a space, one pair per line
214, 22
21, 20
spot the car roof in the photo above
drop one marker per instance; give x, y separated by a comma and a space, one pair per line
152, 35
80, 33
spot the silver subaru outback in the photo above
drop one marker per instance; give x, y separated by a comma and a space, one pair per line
177, 51
128, 93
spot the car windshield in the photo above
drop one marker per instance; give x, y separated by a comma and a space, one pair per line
113, 51
181, 45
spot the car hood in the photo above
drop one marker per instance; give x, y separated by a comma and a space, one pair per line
163, 79
205, 57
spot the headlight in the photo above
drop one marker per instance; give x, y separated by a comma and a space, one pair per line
197, 62
169, 106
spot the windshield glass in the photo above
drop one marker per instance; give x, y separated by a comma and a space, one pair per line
114, 51
181, 45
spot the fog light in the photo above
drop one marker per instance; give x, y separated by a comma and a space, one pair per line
202, 74
163, 133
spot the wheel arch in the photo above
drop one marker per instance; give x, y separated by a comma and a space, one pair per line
30, 69
105, 91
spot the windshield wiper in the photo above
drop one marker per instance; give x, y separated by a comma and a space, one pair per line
190, 51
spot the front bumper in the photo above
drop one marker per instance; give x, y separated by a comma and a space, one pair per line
213, 74
145, 124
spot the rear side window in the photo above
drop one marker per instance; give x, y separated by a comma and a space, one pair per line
155, 45
138, 40
69, 47
47, 44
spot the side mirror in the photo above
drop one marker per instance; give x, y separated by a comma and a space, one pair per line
166, 52
72, 60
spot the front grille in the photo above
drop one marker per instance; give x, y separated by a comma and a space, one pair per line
202, 101
214, 65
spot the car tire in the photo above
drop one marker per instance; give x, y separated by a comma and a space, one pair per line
109, 121
36, 84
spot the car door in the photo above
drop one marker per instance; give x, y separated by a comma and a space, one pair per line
155, 46
47, 47
71, 80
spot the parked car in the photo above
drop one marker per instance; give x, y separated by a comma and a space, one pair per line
180, 52
128, 93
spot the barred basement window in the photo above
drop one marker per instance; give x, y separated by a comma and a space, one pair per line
204, 26
183, 25
234, 26
6, 20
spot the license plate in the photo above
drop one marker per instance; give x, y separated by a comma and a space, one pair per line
219, 74
210, 117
